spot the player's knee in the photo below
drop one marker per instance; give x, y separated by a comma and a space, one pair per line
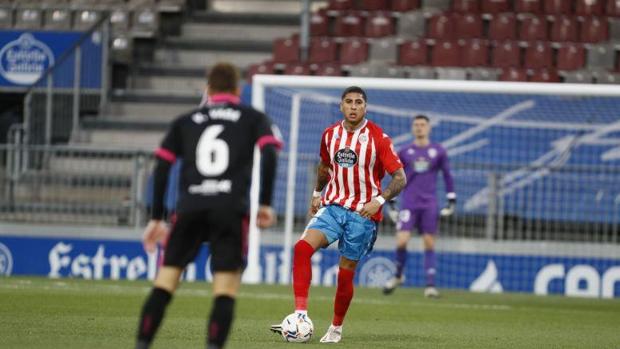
303, 249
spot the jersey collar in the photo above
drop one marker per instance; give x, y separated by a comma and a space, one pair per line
358, 128
223, 98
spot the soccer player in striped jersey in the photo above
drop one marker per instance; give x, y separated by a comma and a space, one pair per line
346, 203
422, 160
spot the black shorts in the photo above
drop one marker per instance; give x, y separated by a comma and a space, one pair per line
225, 230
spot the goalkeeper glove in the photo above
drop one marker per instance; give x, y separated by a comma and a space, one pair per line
392, 211
449, 209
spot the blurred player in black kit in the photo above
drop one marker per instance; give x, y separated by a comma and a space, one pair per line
216, 143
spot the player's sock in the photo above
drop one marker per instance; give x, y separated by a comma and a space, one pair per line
220, 321
430, 267
344, 294
302, 273
152, 314
401, 261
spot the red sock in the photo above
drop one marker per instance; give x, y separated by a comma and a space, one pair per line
344, 294
302, 273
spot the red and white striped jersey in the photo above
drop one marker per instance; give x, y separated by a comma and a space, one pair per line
358, 162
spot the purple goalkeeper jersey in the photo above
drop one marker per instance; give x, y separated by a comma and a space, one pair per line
421, 166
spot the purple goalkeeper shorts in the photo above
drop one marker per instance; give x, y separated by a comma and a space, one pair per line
423, 219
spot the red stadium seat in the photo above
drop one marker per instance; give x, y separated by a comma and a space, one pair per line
285, 50
528, 6
571, 57
341, 4
404, 5
441, 27
613, 8
545, 75
564, 28
506, 54
322, 50
538, 56
475, 53
513, 74
297, 68
349, 24
594, 29
446, 54
533, 28
378, 25
589, 7
261, 68
495, 6
374, 5
466, 6
413, 53
503, 27
468, 26
557, 7
329, 69
353, 51
319, 24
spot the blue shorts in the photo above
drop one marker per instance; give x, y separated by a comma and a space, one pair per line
356, 235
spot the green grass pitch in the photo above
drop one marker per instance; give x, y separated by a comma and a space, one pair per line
43, 313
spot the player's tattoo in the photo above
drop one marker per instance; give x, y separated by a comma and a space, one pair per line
397, 184
322, 176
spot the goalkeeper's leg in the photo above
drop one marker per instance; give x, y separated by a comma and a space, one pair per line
402, 238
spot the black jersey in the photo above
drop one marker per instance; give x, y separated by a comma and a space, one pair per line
216, 144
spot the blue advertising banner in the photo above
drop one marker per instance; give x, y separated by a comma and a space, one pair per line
25, 56
115, 259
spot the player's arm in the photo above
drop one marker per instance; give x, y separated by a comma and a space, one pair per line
322, 178
269, 142
449, 185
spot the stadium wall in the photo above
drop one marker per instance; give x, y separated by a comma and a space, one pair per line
480, 266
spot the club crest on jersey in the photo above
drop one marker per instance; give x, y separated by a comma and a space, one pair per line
420, 165
346, 158
363, 138
432, 153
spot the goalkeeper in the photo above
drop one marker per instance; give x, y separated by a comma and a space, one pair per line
422, 160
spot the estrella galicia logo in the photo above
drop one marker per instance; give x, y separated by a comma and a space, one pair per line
376, 272
346, 158
24, 60
6, 261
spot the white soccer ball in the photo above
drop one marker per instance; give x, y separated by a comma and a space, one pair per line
297, 328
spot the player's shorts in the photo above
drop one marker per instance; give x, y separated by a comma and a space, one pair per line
356, 235
225, 230
424, 220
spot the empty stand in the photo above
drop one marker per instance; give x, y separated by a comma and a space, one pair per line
533, 28
285, 50
349, 24
385, 50
578, 77
411, 25
329, 69
378, 25
475, 53
538, 55
373, 5
468, 26
353, 51
594, 29
496, 6
483, 74
557, 7
445, 54
322, 50
503, 27
441, 27
513, 74
297, 69
413, 53
528, 6
404, 5
564, 28
319, 24
340, 4
545, 75
466, 6
570, 56
589, 7
506, 54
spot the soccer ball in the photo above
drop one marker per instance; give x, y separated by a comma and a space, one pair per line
297, 328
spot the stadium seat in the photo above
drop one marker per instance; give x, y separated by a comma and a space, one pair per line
528, 6
385, 50
466, 6
411, 25
57, 19
145, 22
601, 56
613, 8
557, 7
475, 53
374, 5
545, 75
570, 57
594, 29
589, 7
446, 54
319, 24
436, 4
329, 69
614, 28
533, 28
297, 68
503, 27
404, 5
506, 54
451, 74
468, 26
349, 24
513, 74
340, 4
496, 6
483, 74
413, 53
6, 17
285, 50
353, 51
441, 27
85, 19
119, 20
379, 25
386, 71
608, 78
121, 48
28, 18
538, 55
420, 72
261, 68
564, 28
578, 77
322, 50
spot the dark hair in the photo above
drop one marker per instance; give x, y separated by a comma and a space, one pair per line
223, 77
422, 117
354, 89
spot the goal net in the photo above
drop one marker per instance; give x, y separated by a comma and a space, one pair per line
536, 169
